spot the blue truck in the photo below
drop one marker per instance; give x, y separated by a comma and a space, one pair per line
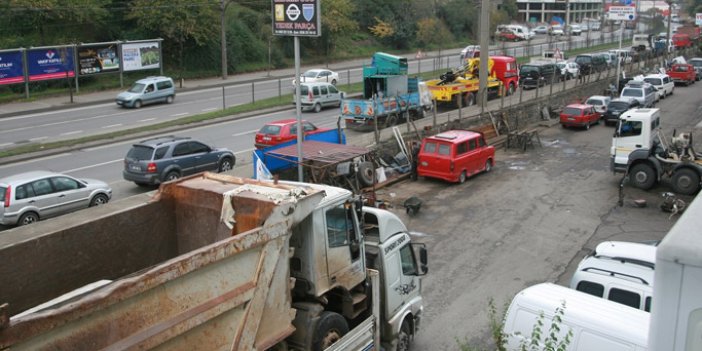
389, 96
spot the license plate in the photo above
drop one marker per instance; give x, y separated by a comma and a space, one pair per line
135, 168
571, 119
267, 138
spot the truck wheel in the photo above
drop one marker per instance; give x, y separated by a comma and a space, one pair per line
404, 337
391, 121
330, 328
365, 173
511, 89
686, 181
468, 100
488, 166
462, 178
642, 176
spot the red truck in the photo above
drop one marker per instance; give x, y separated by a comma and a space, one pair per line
681, 41
691, 30
505, 69
682, 73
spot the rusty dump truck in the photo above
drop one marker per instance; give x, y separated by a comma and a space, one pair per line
214, 262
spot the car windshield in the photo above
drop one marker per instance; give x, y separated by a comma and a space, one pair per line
618, 105
140, 152
136, 88
594, 102
632, 92
561, 65
270, 129
654, 81
310, 74
572, 111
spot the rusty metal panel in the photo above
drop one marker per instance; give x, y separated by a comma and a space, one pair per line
321, 152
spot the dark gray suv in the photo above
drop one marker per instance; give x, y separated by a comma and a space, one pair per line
161, 159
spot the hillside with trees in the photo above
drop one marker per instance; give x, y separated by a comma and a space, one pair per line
191, 28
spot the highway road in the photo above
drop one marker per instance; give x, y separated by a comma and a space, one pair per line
71, 123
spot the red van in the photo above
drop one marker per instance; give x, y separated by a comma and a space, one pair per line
505, 69
455, 155
579, 115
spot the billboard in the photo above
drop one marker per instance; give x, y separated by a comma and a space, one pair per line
51, 63
11, 71
297, 18
142, 55
94, 59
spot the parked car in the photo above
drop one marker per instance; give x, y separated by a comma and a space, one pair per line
662, 82
315, 96
684, 73
599, 102
579, 115
32, 196
697, 63
625, 56
318, 76
149, 90
609, 58
536, 74
569, 70
643, 92
541, 29
556, 30
470, 51
161, 159
508, 35
590, 63
278, 132
575, 29
455, 155
616, 107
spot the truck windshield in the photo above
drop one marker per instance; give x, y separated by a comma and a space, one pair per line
630, 128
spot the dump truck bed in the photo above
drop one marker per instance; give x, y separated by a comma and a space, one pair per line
201, 265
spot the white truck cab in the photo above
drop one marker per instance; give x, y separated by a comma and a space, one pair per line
636, 129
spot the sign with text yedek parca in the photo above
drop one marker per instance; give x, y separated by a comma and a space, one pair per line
11, 71
51, 63
621, 13
141, 55
297, 18
698, 19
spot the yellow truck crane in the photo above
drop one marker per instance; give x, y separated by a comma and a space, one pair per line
460, 86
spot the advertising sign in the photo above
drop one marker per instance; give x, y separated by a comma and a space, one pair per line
297, 18
11, 67
96, 59
698, 19
139, 56
52, 63
622, 13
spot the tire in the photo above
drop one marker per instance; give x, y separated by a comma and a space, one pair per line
28, 218
511, 89
391, 121
333, 82
365, 173
330, 327
587, 126
317, 107
462, 178
686, 181
99, 199
404, 337
226, 164
172, 175
642, 176
488, 166
137, 104
169, 99
469, 100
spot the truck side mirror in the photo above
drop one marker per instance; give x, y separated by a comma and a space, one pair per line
421, 248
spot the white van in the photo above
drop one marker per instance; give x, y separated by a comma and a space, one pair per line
618, 271
640, 42
520, 31
597, 324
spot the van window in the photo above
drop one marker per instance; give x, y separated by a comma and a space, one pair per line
461, 148
42, 187
632, 92
430, 148
24, 191
591, 288
332, 90
444, 149
481, 141
63, 183
472, 144
304, 90
654, 81
315, 91
149, 88
625, 297
647, 304
166, 84
323, 90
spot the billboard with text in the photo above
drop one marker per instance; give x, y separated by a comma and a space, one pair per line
94, 59
51, 63
140, 56
297, 18
11, 71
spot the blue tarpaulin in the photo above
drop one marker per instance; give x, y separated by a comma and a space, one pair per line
557, 20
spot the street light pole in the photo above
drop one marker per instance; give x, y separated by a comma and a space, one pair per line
668, 40
223, 37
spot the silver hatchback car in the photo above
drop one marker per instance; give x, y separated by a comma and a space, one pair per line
28, 197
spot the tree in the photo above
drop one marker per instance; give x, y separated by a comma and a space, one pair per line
337, 23
432, 31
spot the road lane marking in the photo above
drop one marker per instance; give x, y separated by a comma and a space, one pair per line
210, 109
39, 138
246, 132
146, 120
91, 166
73, 132
112, 126
180, 114
35, 160
6, 144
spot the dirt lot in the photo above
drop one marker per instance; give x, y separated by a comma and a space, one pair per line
528, 221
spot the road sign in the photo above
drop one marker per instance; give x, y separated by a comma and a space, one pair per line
557, 54
698, 19
622, 13
627, 2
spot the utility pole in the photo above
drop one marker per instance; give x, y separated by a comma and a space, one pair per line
602, 22
484, 53
223, 38
668, 39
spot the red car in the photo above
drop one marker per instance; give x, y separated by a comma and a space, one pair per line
579, 115
455, 155
682, 73
278, 132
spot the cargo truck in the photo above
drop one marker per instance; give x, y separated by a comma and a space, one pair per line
459, 87
214, 262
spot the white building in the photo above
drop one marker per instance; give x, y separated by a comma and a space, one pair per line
568, 10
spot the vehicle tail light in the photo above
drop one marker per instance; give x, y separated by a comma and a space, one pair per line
309, 94
151, 168
8, 196
451, 166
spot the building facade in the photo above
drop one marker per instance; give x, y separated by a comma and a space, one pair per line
566, 11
